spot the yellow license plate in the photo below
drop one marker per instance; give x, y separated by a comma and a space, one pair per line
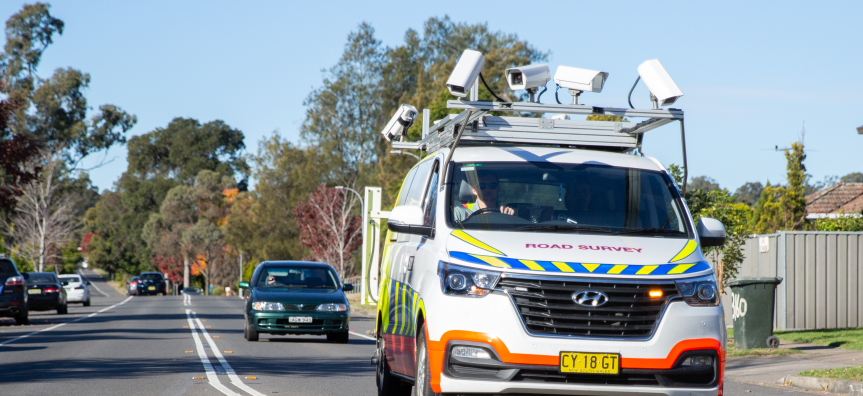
589, 363
34, 291
151, 288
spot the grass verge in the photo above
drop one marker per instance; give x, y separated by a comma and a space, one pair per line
844, 373
843, 338
354, 300
734, 352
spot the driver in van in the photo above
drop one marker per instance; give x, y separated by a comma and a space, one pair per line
577, 200
489, 186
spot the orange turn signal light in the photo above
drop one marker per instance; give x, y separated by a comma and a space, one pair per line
655, 293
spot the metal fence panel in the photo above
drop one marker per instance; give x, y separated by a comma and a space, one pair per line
823, 277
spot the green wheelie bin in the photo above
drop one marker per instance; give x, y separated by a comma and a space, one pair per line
752, 307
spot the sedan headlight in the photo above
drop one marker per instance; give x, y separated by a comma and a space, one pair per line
456, 280
268, 306
699, 291
334, 307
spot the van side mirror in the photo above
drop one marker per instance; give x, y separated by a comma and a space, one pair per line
347, 287
711, 232
408, 219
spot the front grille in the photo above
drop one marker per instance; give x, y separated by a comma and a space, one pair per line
292, 307
546, 306
553, 376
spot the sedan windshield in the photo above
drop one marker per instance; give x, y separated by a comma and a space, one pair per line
298, 277
565, 198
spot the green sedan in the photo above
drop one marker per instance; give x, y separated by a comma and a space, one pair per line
296, 297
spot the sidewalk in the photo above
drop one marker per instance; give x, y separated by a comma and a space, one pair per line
771, 369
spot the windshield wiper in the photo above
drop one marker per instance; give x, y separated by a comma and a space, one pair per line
562, 227
643, 231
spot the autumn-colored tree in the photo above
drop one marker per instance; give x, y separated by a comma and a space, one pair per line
327, 228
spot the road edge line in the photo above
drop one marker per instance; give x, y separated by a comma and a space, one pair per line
64, 323
361, 335
80, 272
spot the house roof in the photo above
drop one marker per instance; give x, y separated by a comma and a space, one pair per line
841, 197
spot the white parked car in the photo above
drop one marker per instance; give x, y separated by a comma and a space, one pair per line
77, 291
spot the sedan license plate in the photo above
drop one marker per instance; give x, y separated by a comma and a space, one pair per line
151, 288
300, 319
34, 291
589, 363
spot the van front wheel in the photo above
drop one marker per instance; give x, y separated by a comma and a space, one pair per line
422, 384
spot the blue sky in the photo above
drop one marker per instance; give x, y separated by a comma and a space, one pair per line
751, 72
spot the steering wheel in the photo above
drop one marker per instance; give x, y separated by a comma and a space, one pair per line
484, 210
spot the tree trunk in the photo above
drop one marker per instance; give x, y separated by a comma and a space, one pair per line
186, 271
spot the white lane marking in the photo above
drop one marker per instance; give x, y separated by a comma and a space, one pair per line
208, 367
362, 335
63, 324
228, 369
97, 287
187, 300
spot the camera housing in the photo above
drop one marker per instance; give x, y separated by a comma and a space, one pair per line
580, 79
397, 127
659, 82
528, 77
465, 73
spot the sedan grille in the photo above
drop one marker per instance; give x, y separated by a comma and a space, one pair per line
292, 307
546, 306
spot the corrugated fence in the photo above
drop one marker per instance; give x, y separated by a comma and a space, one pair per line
822, 277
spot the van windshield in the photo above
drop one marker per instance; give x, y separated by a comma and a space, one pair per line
566, 198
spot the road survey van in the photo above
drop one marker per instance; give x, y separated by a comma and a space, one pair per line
546, 255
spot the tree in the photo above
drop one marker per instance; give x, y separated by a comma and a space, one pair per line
784, 208
749, 193
328, 229
853, 222
703, 183
52, 112
206, 242
720, 205
855, 177
16, 151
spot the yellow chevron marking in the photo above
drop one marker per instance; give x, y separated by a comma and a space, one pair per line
562, 266
414, 314
686, 251
590, 267
532, 265
494, 261
680, 268
475, 242
647, 269
617, 269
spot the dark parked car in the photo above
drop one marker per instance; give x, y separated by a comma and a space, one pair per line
151, 283
13, 292
296, 297
45, 292
132, 286
194, 291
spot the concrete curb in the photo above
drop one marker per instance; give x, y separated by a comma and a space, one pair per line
841, 387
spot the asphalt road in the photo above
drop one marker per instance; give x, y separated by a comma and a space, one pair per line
170, 346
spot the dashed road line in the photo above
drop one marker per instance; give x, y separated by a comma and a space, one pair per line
63, 324
212, 377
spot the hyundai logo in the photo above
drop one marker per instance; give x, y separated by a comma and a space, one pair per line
590, 298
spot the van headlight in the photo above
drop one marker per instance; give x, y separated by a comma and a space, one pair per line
456, 280
268, 306
699, 291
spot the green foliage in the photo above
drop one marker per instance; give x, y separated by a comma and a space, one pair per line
855, 177
22, 263
784, 208
703, 183
847, 223
749, 193
720, 205
71, 258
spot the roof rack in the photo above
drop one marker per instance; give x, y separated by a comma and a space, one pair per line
482, 127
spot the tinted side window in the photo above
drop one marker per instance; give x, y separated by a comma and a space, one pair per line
418, 184
431, 196
406, 186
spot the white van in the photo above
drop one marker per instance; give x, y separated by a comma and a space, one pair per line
520, 264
